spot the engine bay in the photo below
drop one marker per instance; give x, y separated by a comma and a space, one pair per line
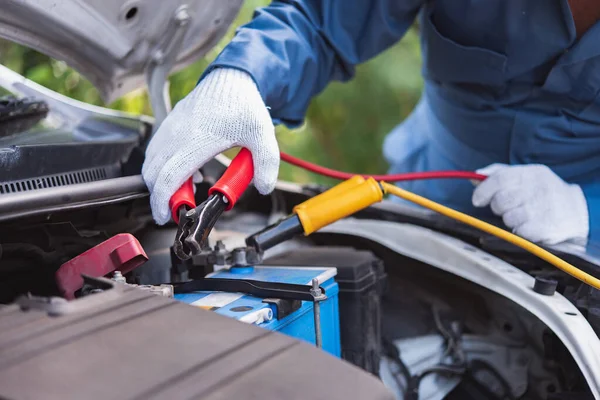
393, 302
424, 332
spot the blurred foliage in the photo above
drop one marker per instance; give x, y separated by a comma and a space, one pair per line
345, 125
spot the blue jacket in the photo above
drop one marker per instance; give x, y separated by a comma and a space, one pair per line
505, 81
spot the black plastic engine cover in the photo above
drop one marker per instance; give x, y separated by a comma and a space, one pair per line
125, 343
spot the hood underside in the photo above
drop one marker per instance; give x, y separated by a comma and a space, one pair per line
113, 42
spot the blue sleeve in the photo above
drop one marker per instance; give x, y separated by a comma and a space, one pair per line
294, 48
592, 195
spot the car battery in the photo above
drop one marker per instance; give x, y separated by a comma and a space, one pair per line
295, 318
362, 279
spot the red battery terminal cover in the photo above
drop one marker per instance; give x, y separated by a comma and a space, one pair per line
122, 253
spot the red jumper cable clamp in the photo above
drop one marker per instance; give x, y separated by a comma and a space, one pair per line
195, 223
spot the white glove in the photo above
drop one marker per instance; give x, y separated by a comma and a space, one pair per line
534, 202
225, 110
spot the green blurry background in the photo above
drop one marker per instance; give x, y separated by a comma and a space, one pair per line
345, 125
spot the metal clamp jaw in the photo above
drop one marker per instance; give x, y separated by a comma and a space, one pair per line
196, 222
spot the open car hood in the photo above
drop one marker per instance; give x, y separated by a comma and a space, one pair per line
115, 43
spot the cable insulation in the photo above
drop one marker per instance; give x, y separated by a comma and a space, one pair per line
412, 176
494, 230
448, 212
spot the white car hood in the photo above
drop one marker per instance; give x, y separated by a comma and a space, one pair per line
112, 42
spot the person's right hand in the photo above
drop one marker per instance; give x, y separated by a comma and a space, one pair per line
225, 110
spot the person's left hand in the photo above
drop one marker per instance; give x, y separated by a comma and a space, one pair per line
534, 202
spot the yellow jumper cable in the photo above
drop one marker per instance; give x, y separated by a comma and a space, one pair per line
494, 230
358, 193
